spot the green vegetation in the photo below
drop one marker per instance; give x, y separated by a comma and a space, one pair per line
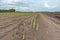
10, 10
24, 13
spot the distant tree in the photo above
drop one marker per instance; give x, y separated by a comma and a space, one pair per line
10, 10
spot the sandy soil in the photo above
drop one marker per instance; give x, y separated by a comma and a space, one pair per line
38, 26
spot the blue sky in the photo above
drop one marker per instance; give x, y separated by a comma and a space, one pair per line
31, 5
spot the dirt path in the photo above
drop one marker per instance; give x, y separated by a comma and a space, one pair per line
49, 27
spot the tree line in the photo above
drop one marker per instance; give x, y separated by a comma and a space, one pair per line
9, 10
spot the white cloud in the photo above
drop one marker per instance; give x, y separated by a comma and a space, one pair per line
56, 0
7, 1
18, 0
20, 8
24, 7
11, 1
30, 4
47, 5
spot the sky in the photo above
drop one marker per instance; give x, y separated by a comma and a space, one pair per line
31, 5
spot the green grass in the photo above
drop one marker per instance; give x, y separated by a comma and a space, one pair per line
24, 13
17, 13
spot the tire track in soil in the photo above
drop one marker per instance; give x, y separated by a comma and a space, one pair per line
15, 27
9, 20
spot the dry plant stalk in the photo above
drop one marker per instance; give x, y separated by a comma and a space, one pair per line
37, 22
34, 22
24, 31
